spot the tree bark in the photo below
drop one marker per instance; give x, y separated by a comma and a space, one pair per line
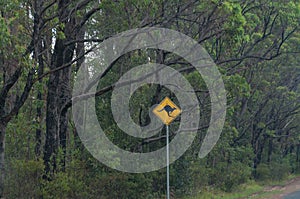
270, 150
51, 143
38, 56
2, 162
59, 92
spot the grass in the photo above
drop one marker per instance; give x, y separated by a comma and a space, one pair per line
243, 191
252, 189
266, 194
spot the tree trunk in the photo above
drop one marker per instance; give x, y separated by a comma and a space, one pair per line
38, 132
59, 92
2, 149
297, 153
270, 150
65, 96
39, 47
51, 143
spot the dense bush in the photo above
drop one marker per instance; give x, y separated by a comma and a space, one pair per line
24, 178
65, 186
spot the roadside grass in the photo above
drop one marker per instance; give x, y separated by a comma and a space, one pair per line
265, 194
253, 190
242, 192
279, 182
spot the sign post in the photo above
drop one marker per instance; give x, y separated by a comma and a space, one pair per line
167, 111
168, 162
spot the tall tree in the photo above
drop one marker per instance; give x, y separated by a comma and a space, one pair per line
16, 47
71, 18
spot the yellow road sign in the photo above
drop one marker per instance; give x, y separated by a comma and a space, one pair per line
167, 111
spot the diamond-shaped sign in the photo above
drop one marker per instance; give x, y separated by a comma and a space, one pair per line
167, 111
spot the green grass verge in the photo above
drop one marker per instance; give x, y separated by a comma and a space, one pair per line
253, 190
242, 192
266, 194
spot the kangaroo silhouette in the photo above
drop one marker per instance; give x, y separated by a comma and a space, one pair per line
168, 109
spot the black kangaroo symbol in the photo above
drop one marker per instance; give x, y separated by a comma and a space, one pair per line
168, 109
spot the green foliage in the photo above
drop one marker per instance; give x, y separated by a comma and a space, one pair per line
65, 186
275, 171
236, 21
24, 178
20, 136
237, 86
123, 186
261, 133
4, 34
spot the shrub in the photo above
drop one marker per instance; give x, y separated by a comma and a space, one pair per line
263, 172
23, 178
64, 186
228, 176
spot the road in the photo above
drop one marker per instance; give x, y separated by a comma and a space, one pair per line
294, 195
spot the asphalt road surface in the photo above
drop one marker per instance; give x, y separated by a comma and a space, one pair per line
294, 195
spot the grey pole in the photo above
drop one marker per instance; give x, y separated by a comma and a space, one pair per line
168, 169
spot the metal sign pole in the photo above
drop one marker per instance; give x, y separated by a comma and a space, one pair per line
167, 111
168, 169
